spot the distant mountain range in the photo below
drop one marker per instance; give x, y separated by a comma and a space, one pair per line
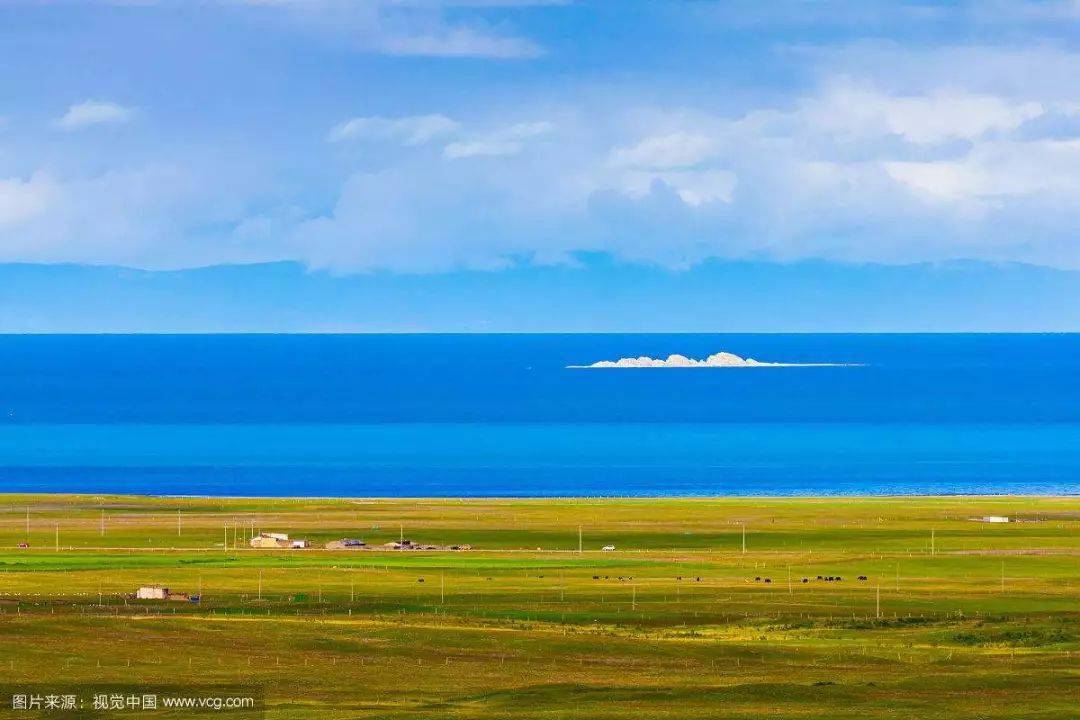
595, 295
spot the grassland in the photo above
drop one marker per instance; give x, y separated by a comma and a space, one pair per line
956, 618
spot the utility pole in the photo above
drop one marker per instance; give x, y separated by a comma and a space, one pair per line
226, 545
932, 542
260, 584
58, 538
352, 590
103, 523
27, 522
633, 597
1002, 576
579, 539
878, 602
177, 522
744, 538
442, 588
401, 532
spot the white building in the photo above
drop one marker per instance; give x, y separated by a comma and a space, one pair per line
993, 519
152, 592
277, 540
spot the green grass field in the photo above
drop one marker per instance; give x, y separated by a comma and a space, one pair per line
956, 618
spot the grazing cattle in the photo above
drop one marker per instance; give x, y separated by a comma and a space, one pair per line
757, 579
420, 580
819, 577
863, 577
768, 580
806, 580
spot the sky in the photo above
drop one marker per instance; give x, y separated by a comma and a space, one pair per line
435, 137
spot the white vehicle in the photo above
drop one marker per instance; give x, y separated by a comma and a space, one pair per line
608, 548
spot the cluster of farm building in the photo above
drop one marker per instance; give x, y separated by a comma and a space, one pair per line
282, 541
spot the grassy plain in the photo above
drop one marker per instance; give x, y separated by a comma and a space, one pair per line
956, 618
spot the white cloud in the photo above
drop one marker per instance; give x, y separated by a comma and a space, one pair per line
479, 148
93, 112
948, 180
413, 130
460, 41
422, 28
671, 150
153, 216
21, 200
1035, 72
526, 130
694, 187
851, 110
997, 171
506, 141
848, 172
676, 160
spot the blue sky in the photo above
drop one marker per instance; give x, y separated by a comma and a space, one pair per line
439, 136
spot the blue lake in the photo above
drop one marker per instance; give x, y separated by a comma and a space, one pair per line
469, 415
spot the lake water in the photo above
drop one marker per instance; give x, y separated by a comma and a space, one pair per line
474, 415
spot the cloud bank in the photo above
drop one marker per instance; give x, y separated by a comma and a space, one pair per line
716, 360
409, 131
854, 131
406, 28
93, 112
